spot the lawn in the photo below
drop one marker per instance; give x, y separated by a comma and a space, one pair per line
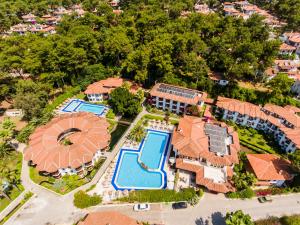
66, 183
13, 161
154, 117
257, 141
117, 134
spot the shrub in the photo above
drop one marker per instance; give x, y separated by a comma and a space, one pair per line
110, 114
160, 196
246, 193
83, 200
290, 220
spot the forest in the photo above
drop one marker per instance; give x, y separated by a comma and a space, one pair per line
148, 42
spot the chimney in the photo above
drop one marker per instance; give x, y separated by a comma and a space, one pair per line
280, 172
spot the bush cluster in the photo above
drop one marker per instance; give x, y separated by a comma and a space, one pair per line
83, 200
188, 194
243, 194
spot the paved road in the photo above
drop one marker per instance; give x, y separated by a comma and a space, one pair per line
211, 210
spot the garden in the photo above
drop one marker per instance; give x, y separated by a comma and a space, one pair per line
11, 188
189, 194
10, 165
255, 141
66, 183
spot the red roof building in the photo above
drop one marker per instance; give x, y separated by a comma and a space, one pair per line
108, 218
175, 99
100, 90
270, 169
68, 144
207, 149
282, 122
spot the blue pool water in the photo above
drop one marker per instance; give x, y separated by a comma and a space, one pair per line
96, 109
77, 105
129, 174
153, 149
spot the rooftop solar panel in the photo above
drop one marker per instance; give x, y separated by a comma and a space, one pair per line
217, 138
177, 91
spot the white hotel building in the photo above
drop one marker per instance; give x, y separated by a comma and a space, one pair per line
282, 122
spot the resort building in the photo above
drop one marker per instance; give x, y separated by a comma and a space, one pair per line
108, 218
270, 169
207, 151
281, 122
68, 144
175, 99
100, 90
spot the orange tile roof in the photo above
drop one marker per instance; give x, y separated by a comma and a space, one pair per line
201, 180
104, 86
49, 154
286, 64
244, 108
270, 167
283, 112
190, 140
285, 46
108, 218
199, 96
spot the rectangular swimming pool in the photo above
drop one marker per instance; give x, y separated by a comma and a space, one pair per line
77, 105
143, 168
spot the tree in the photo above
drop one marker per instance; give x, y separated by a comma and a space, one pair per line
124, 102
243, 180
280, 84
238, 218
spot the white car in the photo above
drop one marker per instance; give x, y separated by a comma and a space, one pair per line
141, 207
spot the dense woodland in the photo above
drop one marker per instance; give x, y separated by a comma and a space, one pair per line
148, 42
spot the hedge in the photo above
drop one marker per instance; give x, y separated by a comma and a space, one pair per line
247, 193
83, 200
160, 196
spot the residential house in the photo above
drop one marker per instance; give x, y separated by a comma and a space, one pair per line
286, 49
293, 39
100, 90
208, 151
29, 18
281, 122
175, 99
202, 8
270, 169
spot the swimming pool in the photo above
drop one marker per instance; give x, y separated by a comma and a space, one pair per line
77, 105
131, 174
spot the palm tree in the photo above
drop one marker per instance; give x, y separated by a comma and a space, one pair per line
3, 189
11, 176
238, 218
5, 148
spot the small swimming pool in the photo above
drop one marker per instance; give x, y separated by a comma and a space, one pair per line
77, 105
130, 173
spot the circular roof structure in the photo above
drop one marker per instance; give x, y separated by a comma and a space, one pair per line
67, 141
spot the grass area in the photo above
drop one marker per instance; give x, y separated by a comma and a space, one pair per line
13, 161
161, 112
153, 117
257, 141
117, 134
160, 195
66, 183
27, 196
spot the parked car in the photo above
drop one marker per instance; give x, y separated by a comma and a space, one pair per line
141, 207
179, 205
264, 199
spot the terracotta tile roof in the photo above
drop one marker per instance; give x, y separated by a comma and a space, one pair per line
201, 180
285, 46
104, 86
283, 112
88, 133
270, 167
244, 108
108, 218
190, 140
286, 64
198, 96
